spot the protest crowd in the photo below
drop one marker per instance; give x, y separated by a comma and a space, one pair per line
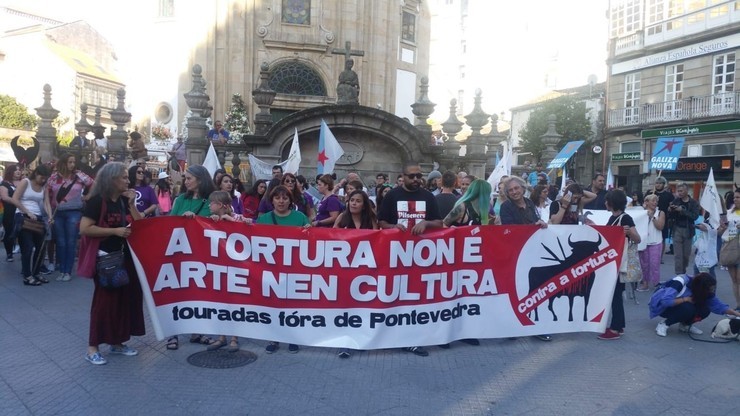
47, 209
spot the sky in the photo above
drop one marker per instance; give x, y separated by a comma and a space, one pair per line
512, 43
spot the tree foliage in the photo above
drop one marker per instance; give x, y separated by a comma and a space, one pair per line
15, 115
572, 122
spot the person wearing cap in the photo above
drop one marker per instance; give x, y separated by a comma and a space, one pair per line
433, 182
138, 149
163, 191
534, 177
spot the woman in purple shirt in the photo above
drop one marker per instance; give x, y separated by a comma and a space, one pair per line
226, 183
330, 206
146, 199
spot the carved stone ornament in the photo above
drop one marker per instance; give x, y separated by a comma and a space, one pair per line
353, 153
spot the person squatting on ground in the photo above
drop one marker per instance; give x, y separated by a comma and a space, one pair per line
115, 315
687, 300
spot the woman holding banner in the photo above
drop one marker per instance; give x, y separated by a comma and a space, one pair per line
518, 209
616, 202
283, 214
115, 315
194, 202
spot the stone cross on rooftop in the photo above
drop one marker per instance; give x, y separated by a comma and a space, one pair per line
348, 52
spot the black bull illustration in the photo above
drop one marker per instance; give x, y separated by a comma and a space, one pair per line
539, 275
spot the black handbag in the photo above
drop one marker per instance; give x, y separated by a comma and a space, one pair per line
110, 267
111, 270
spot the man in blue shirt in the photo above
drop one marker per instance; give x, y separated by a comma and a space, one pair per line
218, 135
533, 177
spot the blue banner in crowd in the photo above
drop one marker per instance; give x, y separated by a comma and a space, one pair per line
666, 153
569, 150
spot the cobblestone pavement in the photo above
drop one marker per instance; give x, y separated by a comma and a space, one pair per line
43, 334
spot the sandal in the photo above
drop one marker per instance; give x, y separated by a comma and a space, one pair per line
215, 345
233, 346
173, 343
31, 281
201, 339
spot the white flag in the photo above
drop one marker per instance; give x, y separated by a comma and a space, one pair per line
293, 163
211, 163
260, 169
498, 172
610, 179
710, 200
329, 150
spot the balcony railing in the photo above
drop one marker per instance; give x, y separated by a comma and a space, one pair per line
689, 109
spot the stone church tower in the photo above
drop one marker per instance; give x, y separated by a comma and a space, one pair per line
306, 43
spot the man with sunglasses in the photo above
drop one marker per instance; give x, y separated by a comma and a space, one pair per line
410, 206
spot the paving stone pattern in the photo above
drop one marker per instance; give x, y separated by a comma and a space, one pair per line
43, 334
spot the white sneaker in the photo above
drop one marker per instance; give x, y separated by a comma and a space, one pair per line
66, 277
16, 249
60, 278
661, 329
690, 329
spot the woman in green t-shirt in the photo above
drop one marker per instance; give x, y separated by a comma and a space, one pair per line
194, 202
283, 214
198, 187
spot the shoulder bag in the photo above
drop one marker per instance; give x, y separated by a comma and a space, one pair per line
34, 226
630, 270
110, 267
729, 255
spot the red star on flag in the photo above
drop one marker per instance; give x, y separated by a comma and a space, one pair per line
322, 157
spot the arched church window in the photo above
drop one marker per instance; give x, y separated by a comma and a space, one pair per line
297, 79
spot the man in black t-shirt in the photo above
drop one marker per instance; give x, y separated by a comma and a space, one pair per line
446, 199
410, 206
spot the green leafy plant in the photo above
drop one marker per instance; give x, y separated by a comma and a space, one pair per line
15, 115
572, 122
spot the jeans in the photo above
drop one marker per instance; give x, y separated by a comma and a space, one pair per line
682, 239
66, 231
685, 313
31, 255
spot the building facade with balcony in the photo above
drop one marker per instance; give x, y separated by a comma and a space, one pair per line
672, 69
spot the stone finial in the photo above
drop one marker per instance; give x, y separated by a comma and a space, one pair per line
200, 109
117, 142
263, 96
83, 125
550, 139
423, 108
477, 118
46, 134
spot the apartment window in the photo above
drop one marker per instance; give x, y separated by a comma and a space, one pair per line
718, 11
632, 98
462, 71
166, 8
408, 27
655, 16
694, 15
297, 12
625, 18
629, 147
675, 11
99, 96
673, 90
723, 83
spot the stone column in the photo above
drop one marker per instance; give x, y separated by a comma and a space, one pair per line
263, 96
422, 109
494, 142
119, 136
451, 128
550, 139
46, 134
475, 149
197, 100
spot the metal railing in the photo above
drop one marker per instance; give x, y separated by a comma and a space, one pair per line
689, 109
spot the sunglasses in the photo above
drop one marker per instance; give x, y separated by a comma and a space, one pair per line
289, 181
413, 175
